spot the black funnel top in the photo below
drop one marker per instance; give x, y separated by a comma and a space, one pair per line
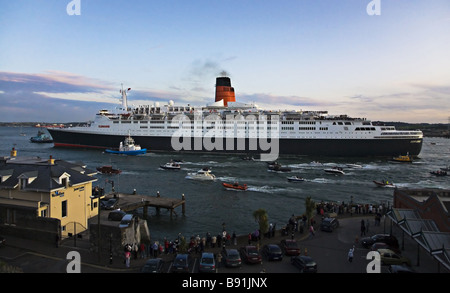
223, 81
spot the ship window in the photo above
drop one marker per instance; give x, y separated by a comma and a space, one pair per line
340, 123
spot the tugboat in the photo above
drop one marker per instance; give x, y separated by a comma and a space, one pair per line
41, 137
128, 147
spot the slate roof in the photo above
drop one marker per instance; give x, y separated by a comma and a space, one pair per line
46, 175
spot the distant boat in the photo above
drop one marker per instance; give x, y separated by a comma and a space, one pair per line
170, 166
384, 183
354, 166
234, 186
403, 159
274, 166
335, 170
41, 137
202, 174
108, 169
295, 179
128, 147
439, 173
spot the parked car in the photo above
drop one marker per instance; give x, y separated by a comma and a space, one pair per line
290, 247
181, 263
272, 252
367, 242
304, 263
250, 254
401, 269
389, 257
231, 257
109, 204
153, 265
382, 245
207, 263
116, 215
329, 224
126, 220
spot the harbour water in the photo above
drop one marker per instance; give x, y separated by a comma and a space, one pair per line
209, 205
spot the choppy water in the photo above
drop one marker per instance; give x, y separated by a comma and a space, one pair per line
208, 204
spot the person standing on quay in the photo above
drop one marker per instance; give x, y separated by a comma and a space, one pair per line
363, 228
350, 254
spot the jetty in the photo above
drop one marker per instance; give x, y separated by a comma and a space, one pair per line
129, 202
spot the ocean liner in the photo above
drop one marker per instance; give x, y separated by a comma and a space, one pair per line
227, 126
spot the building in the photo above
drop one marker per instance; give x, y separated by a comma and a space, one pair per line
45, 199
423, 214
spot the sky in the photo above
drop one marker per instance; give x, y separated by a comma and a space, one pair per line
385, 60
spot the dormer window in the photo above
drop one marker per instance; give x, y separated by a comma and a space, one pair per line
23, 183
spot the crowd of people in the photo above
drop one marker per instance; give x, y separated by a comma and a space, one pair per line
197, 244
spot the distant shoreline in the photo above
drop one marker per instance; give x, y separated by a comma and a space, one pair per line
428, 129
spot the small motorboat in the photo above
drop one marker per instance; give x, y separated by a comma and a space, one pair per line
295, 179
278, 168
403, 159
202, 174
384, 183
108, 169
128, 147
170, 166
439, 173
41, 137
356, 166
335, 170
235, 186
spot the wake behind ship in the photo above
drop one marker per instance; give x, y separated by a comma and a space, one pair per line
227, 126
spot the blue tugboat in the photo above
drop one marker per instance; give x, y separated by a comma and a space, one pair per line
128, 147
41, 137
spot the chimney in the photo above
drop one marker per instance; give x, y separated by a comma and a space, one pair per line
51, 161
224, 90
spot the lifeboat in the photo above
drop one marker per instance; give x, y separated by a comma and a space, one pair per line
235, 186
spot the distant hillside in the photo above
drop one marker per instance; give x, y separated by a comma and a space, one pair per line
429, 130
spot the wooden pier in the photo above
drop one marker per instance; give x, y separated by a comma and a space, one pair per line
130, 202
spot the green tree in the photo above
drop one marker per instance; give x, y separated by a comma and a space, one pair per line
262, 218
310, 206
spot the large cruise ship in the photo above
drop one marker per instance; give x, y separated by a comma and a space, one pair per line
227, 126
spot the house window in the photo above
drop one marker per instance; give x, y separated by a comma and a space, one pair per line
64, 209
23, 183
64, 182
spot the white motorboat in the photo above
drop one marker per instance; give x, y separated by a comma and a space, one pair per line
295, 179
170, 166
202, 174
335, 170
